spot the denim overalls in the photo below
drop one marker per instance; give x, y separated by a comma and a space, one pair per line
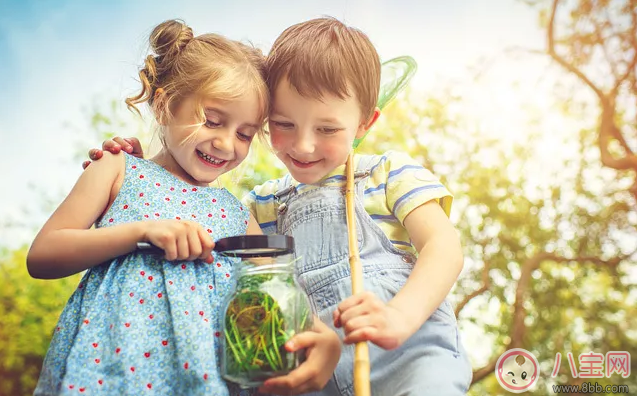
432, 361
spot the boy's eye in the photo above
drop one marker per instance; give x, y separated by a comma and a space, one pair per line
279, 124
329, 130
212, 124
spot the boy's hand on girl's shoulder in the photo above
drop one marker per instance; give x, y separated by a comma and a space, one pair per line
322, 350
365, 317
129, 145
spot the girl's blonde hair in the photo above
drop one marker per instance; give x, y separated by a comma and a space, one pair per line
206, 66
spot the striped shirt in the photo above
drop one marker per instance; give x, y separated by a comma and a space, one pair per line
397, 185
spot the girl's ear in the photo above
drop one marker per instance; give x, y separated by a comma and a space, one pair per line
362, 131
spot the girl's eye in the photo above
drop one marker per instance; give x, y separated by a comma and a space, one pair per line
244, 137
212, 124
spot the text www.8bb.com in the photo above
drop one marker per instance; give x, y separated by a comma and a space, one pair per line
589, 387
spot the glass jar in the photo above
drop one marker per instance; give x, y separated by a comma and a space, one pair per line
266, 309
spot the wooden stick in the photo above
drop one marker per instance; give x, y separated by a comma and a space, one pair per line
361, 352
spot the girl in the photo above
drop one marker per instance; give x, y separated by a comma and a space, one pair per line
142, 323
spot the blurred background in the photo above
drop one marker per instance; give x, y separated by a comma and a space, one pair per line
526, 109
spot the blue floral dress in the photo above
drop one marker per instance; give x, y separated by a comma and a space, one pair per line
141, 325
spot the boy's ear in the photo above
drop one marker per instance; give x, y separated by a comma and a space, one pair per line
365, 127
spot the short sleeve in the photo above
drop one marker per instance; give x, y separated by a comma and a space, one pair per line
250, 201
409, 185
262, 205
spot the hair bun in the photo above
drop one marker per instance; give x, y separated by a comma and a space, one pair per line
170, 37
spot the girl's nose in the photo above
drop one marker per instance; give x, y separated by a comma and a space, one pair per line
223, 142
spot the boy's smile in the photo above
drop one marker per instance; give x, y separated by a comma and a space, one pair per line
313, 136
304, 165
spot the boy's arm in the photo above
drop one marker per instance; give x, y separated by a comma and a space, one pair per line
439, 264
421, 203
66, 245
367, 318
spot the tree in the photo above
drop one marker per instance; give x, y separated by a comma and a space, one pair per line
529, 242
596, 41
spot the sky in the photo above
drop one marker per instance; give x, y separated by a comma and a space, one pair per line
57, 59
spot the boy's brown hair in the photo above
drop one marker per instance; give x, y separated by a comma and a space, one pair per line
325, 55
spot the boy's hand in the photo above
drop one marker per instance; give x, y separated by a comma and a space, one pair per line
323, 350
115, 145
180, 240
365, 317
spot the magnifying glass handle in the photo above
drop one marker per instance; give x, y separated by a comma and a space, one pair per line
149, 248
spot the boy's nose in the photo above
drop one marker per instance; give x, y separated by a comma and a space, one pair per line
304, 144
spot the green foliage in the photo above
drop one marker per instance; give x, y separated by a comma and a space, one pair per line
29, 310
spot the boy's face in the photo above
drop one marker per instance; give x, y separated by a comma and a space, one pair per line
313, 137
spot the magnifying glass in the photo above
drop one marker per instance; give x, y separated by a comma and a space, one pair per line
242, 246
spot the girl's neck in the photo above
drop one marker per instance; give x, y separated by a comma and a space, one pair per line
167, 161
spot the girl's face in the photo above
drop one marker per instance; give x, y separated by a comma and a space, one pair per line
202, 153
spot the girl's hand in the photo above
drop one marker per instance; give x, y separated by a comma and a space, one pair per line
323, 350
180, 239
129, 145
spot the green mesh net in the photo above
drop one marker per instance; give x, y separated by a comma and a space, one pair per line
394, 76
